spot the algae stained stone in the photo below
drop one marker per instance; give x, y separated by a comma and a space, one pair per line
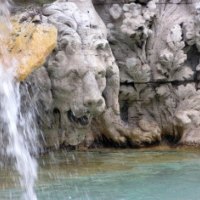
30, 44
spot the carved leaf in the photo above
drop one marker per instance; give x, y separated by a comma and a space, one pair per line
188, 110
163, 91
174, 39
183, 73
139, 73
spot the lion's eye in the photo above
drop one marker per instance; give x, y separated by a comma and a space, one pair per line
101, 74
101, 44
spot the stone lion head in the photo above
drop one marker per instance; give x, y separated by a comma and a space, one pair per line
84, 76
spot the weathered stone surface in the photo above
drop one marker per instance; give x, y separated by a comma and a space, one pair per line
30, 44
132, 78
80, 69
156, 47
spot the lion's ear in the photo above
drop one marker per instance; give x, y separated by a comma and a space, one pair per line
111, 92
69, 44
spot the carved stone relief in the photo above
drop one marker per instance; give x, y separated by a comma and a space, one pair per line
81, 75
132, 78
156, 47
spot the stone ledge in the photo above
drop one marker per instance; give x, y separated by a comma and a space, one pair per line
30, 44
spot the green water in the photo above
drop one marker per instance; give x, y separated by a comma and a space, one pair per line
113, 175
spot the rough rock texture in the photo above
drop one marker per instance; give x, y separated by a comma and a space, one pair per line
157, 48
132, 78
29, 44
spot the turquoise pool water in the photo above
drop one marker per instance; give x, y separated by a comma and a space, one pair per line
113, 175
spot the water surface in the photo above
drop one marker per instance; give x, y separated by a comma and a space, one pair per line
169, 174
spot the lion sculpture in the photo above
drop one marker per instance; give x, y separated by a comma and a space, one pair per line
78, 87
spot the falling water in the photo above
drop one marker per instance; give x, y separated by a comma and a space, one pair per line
17, 127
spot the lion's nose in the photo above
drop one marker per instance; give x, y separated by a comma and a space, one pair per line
92, 102
92, 98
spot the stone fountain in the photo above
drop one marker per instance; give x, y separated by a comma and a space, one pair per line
122, 72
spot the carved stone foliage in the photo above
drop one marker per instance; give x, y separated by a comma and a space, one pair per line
156, 45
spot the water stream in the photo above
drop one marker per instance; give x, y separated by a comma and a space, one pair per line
18, 131
171, 174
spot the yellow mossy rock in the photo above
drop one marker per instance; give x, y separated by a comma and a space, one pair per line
30, 44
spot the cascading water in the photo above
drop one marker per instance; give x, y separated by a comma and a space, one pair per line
18, 127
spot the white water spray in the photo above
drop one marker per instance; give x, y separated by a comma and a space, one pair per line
19, 127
